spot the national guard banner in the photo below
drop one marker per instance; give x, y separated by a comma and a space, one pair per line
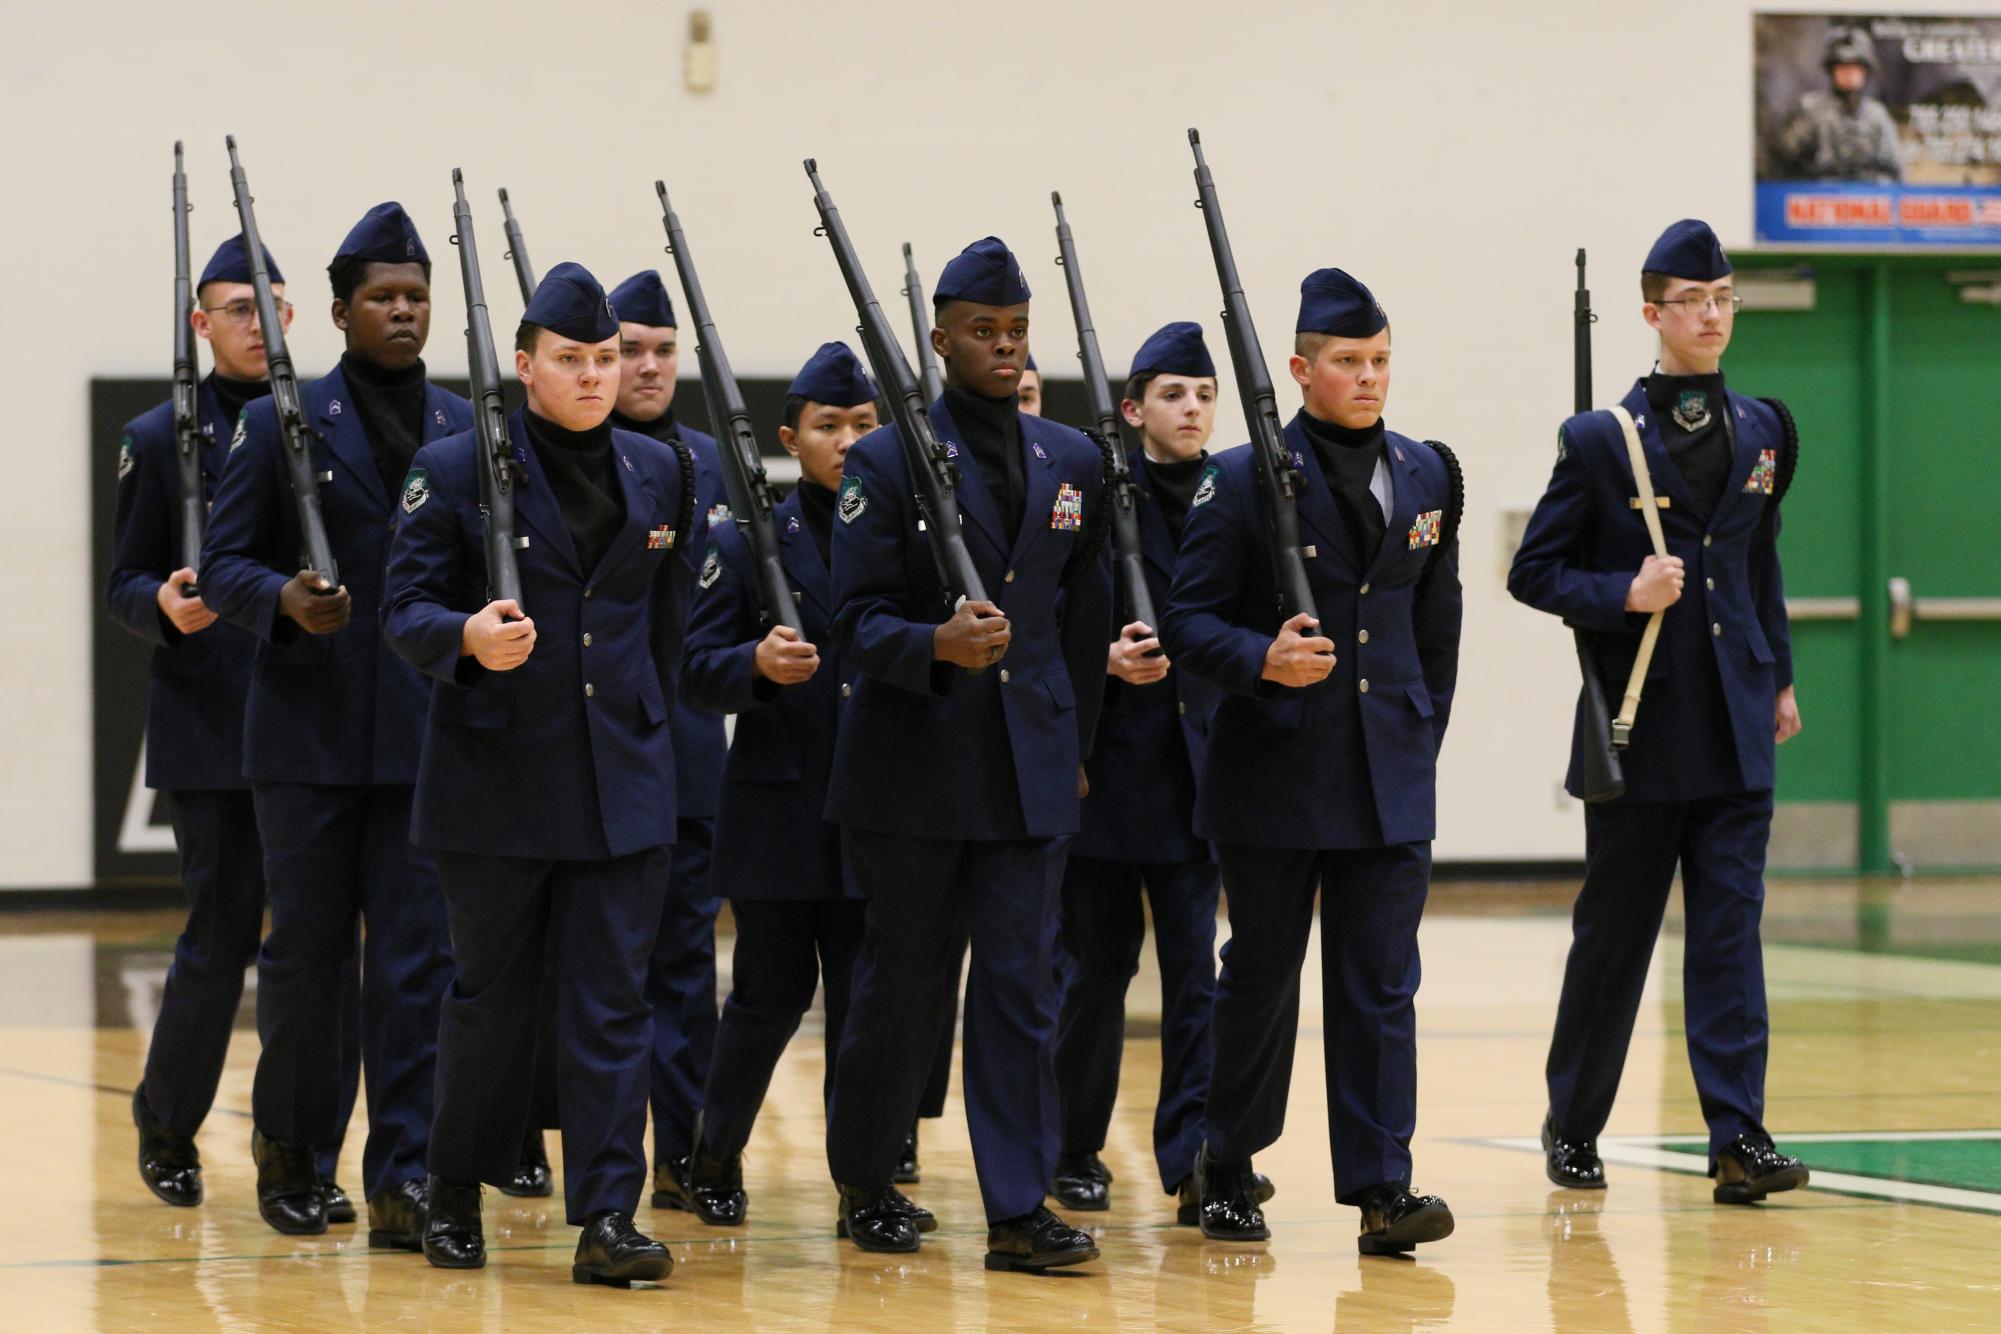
1878, 129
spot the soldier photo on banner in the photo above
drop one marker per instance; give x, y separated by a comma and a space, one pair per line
1877, 129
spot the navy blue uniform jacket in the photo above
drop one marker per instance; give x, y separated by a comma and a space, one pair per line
337, 709
1705, 726
928, 749
1152, 738
194, 700
770, 832
568, 756
1351, 761
699, 739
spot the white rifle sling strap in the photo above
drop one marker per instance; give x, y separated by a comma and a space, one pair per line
1629, 708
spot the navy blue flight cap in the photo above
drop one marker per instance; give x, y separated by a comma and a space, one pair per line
984, 273
1175, 349
643, 299
833, 376
1334, 302
385, 233
231, 264
1688, 249
571, 303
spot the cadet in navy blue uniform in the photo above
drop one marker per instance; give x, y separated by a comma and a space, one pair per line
330, 742
1718, 697
797, 921
957, 770
547, 788
1321, 768
194, 748
1138, 822
681, 980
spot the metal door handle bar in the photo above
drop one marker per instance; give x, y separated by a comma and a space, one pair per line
1824, 609
1905, 608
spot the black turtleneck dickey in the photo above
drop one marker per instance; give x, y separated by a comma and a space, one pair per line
662, 428
1174, 486
582, 476
1694, 416
817, 504
992, 427
391, 404
1348, 456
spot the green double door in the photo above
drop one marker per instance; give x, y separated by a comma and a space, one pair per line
1891, 365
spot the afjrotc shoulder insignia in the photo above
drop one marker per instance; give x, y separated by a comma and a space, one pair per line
1205, 490
125, 456
1068, 514
1562, 445
416, 490
851, 502
242, 429
712, 567
1764, 474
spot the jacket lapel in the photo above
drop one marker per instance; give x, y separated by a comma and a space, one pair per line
800, 555
1744, 446
1317, 510
1403, 502
974, 502
340, 424
639, 512
215, 432
1039, 480
534, 503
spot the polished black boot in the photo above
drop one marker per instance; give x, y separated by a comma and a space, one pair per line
1082, 1181
615, 1253
169, 1163
1573, 1163
670, 1185
1037, 1241
339, 1208
1227, 1200
531, 1179
453, 1238
907, 1173
1396, 1220
288, 1186
1750, 1167
877, 1220
396, 1216
714, 1185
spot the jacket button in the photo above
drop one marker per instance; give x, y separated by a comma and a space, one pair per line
1706, 539
1365, 685
845, 690
1363, 590
589, 690
587, 639
1008, 578
1362, 637
587, 593
1004, 676
1181, 708
1709, 584
1717, 629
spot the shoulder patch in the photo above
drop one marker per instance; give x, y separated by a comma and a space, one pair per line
242, 426
1205, 490
851, 501
1562, 445
125, 456
416, 490
712, 567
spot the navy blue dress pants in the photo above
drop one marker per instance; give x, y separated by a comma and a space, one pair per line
681, 988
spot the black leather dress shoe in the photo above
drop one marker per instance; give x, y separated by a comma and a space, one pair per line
339, 1208
531, 1179
1750, 1167
615, 1253
288, 1187
925, 1220
715, 1185
1188, 1199
1227, 1195
1035, 1242
1082, 1181
396, 1216
1571, 1162
169, 1163
453, 1238
1396, 1220
670, 1185
907, 1173
877, 1220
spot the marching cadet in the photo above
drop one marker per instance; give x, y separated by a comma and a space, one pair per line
956, 772
1137, 832
681, 980
331, 737
1321, 769
1030, 392
1718, 698
797, 921
194, 749
547, 791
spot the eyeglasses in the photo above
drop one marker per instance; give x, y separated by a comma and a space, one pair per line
241, 313
1697, 305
